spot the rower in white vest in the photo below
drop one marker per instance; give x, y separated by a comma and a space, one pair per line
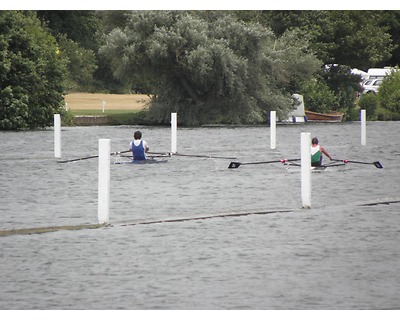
316, 153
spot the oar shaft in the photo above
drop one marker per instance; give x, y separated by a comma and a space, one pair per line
360, 162
375, 163
272, 161
202, 156
353, 161
159, 153
235, 165
260, 162
91, 157
77, 159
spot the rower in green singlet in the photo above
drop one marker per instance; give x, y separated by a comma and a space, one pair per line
316, 153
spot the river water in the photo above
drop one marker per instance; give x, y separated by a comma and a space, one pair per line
343, 253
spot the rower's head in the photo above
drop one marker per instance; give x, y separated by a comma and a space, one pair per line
137, 135
314, 140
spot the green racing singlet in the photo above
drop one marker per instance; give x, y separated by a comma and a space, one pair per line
316, 156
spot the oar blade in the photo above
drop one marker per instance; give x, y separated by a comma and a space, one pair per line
378, 165
234, 165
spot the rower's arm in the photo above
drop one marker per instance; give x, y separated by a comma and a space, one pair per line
325, 152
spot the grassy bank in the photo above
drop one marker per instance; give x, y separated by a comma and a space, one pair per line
95, 101
119, 109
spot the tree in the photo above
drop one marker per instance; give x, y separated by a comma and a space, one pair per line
80, 26
81, 64
391, 21
207, 66
318, 97
78, 34
358, 39
389, 92
31, 73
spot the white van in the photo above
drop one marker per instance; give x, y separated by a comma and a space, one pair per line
374, 73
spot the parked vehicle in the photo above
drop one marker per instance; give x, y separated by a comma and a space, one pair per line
375, 73
371, 86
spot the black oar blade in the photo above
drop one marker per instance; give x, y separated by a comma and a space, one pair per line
378, 165
234, 165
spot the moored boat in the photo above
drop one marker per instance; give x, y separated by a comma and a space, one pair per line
324, 117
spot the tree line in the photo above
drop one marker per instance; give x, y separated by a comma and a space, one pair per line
209, 66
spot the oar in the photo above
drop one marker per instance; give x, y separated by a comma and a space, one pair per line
201, 156
160, 153
91, 157
153, 155
234, 165
375, 163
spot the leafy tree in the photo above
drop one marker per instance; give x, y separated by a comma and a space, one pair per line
389, 92
359, 39
78, 34
370, 103
80, 26
345, 86
31, 72
207, 66
391, 21
81, 64
318, 97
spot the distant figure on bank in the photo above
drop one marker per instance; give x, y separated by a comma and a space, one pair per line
316, 153
138, 146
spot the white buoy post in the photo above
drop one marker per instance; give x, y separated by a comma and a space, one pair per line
306, 170
174, 129
273, 129
103, 209
363, 128
57, 136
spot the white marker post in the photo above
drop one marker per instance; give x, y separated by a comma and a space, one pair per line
174, 127
104, 106
273, 129
363, 128
57, 136
306, 170
103, 209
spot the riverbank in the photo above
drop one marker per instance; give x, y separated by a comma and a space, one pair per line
96, 101
89, 109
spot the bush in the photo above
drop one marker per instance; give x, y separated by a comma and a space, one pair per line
389, 92
31, 73
370, 103
318, 97
383, 114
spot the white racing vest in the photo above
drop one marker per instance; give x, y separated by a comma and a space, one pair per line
316, 155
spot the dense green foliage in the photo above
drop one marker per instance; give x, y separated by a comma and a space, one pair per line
318, 97
210, 66
31, 72
370, 103
386, 104
389, 96
358, 39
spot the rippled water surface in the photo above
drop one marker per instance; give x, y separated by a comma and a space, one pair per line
343, 253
